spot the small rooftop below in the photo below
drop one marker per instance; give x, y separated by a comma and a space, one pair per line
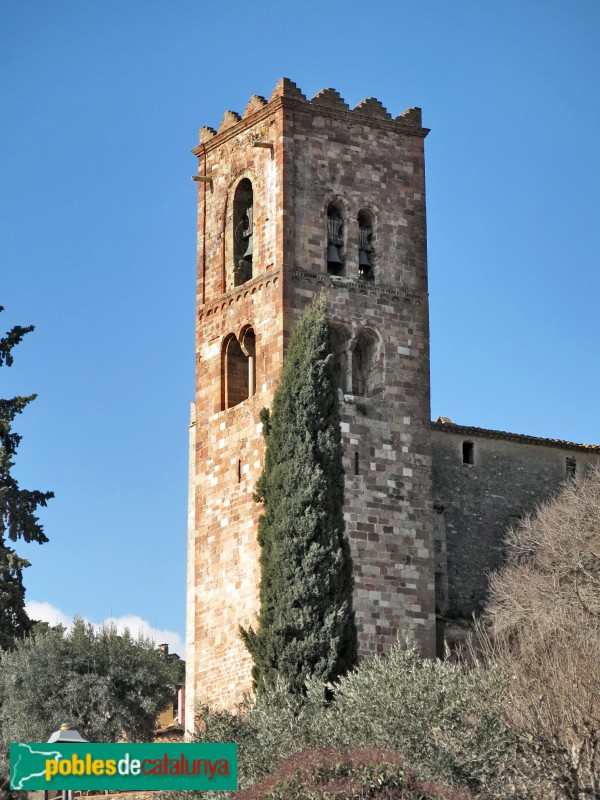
446, 425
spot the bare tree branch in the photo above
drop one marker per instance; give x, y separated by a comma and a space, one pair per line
542, 627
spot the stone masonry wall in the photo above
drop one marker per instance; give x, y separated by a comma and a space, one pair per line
388, 507
362, 159
298, 155
223, 569
475, 504
229, 451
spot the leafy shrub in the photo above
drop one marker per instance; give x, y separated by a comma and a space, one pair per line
355, 774
444, 721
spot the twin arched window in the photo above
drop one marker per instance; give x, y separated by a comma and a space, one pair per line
336, 248
358, 361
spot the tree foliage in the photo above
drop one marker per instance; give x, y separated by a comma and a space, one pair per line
18, 508
104, 684
543, 630
443, 719
306, 624
340, 773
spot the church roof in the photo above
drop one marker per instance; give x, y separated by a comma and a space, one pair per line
447, 426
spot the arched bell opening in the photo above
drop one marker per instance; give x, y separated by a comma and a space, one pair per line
366, 230
335, 240
243, 232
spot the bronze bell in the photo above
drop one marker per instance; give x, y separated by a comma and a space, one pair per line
249, 247
363, 260
248, 231
333, 255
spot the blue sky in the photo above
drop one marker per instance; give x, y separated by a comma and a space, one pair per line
101, 105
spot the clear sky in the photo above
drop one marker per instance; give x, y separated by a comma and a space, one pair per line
101, 102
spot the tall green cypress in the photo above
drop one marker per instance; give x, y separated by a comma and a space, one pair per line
306, 623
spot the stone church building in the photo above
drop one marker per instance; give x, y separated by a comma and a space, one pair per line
298, 197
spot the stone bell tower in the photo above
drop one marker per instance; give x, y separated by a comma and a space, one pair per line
296, 198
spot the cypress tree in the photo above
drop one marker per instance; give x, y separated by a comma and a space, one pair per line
306, 623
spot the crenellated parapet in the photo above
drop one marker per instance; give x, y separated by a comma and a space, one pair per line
327, 100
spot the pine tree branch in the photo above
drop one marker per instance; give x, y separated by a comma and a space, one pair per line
10, 340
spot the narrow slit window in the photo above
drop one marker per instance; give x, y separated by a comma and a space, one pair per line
356, 463
239, 470
468, 453
571, 467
